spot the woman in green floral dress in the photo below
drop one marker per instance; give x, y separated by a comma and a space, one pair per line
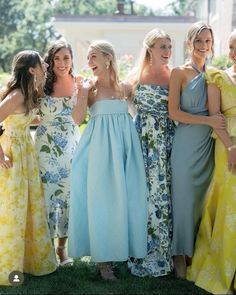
56, 139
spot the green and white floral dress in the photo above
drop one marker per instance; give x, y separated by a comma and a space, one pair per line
56, 139
156, 132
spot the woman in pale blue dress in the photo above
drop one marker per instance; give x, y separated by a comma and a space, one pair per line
108, 218
156, 131
192, 158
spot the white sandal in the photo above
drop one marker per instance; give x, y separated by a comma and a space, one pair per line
68, 261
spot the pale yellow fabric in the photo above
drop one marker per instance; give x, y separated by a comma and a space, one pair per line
25, 243
214, 261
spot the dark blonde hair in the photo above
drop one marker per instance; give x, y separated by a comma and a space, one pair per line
144, 59
22, 79
107, 49
195, 30
49, 59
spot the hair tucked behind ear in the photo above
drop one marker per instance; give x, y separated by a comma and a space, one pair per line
107, 49
144, 59
22, 79
196, 29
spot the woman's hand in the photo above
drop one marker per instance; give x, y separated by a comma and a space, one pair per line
217, 121
5, 161
86, 84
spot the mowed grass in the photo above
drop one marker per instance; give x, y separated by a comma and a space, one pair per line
84, 278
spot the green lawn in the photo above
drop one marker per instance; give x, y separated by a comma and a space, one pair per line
83, 278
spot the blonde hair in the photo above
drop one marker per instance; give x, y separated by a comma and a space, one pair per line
144, 59
194, 32
107, 49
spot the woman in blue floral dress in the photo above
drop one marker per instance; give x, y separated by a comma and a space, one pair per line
56, 139
156, 132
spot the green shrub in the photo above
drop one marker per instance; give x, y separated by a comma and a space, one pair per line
221, 62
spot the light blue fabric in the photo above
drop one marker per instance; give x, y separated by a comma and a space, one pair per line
192, 163
108, 215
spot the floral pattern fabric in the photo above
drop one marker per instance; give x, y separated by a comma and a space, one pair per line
156, 132
56, 139
214, 262
25, 242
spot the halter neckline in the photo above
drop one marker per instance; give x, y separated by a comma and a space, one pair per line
197, 69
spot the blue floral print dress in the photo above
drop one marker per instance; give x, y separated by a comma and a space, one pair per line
156, 132
56, 139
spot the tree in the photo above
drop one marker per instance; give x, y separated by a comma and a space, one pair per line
183, 7
85, 7
102, 7
24, 24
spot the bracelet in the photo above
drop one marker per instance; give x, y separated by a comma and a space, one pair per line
230, 148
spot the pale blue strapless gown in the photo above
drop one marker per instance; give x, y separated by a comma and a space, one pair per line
108, 212
192, 163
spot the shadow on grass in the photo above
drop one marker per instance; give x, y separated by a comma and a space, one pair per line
84, 278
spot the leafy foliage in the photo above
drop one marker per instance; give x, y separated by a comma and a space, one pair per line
183, 7
25, 24
221, 62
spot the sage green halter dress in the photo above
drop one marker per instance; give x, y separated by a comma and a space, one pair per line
192, 163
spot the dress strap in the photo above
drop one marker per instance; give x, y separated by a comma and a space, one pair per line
196, 68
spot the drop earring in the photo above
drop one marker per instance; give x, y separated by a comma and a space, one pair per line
150, 61
107, 64
35, 83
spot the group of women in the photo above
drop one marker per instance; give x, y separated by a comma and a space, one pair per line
156, 191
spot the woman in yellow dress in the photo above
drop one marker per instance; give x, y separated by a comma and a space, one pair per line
214, 262
25, 243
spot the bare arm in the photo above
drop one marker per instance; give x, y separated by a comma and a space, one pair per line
175, 113
80, 109
214, 101
11, 104
129, 93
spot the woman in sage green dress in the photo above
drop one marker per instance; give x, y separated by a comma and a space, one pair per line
192, 160
214, 261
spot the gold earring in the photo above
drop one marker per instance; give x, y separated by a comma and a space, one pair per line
107, 64
35, 83
150, 61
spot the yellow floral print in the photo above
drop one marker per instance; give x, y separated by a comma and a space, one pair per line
25, 243
214, 261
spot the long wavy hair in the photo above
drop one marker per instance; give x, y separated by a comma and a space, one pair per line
22, 79
107, 49
49, 59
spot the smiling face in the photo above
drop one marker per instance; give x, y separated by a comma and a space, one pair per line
232, 48
202, 44
97, 61
161, 51
62, 62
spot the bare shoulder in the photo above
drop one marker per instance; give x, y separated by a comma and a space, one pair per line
15, 96
178, 73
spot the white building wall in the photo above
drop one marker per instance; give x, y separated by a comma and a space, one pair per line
126, 37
